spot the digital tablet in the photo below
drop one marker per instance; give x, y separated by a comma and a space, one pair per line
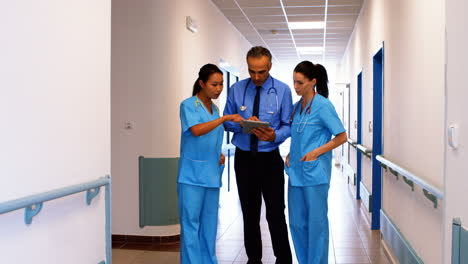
247, 125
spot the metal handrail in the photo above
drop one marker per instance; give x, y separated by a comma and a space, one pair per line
352, 142
50, 195
33, 203
428, 189
366, 151
363, 149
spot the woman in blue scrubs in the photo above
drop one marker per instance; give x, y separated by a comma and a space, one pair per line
200, 167
309, 163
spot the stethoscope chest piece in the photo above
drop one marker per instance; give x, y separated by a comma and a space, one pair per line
243, 107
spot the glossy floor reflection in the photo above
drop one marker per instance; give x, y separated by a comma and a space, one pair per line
351, 240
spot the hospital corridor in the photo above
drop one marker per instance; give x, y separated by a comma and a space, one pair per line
351, 239
233, 131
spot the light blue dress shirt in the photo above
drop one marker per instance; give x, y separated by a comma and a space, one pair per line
275, 107
199, 156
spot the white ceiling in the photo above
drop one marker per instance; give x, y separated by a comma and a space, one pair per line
264, 23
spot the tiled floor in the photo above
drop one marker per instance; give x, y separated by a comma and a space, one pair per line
351, 240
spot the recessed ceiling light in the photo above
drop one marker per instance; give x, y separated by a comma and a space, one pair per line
310, 50
307, 25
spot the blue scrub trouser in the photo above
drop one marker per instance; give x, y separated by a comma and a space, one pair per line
308, 222
198, 212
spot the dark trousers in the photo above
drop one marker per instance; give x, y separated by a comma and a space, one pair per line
256, 175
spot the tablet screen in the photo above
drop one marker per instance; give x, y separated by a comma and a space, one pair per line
247, 125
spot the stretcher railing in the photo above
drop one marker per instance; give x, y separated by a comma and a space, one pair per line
33, 204
430, 192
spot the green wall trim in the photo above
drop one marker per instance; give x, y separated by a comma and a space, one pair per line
459, 242
401, 248
456, 229
158, 191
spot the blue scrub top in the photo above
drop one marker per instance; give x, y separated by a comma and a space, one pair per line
308, 132
275, 107
199, 156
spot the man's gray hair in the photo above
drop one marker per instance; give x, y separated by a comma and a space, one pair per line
259, 51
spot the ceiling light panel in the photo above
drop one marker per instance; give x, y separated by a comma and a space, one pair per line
308, 36
309, 25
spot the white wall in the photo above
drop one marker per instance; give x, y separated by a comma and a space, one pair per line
55, 128
413, 33
456, 181
365, 41
155, 61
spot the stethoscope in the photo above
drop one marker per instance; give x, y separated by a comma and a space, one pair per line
198, 102
270, 90
306, 113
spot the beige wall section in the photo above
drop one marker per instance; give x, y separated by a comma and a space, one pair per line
414, 117
456, 200
55, 112
155, 61
413, 32
414, 87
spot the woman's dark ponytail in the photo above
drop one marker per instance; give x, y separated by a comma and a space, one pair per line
204, 74
315, 71
322, 80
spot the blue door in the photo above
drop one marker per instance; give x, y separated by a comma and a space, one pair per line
377, 138
359, 136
